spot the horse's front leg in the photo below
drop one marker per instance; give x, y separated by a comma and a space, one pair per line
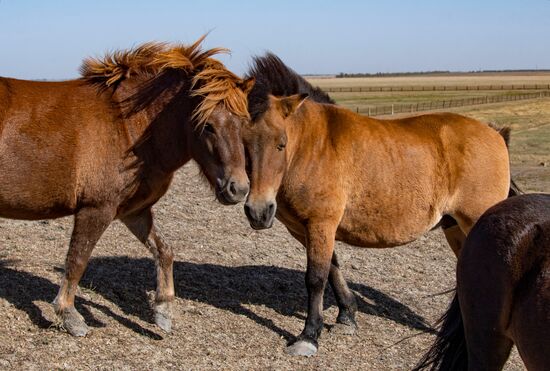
89, 225
347, 305
142, 226
319, 246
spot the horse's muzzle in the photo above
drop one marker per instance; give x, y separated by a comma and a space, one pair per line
260, 216
231, 192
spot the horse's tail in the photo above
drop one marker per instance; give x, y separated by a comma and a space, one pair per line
448, 351
504, 132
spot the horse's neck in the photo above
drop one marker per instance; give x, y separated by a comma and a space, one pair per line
335, 124
156, 131
309, 130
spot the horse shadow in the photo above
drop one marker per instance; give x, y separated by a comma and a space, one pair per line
125, 281
23, 290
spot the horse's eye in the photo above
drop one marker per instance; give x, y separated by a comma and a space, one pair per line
281, 146
208, 128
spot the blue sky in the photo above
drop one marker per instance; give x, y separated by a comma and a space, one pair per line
48, 39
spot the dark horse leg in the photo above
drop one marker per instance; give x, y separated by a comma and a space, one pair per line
485, 297
347, 305
319, 247
142, 226
89, 225
530, 321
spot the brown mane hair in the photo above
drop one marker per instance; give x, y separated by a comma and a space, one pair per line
210, 80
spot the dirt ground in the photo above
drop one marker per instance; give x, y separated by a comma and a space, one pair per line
240, 295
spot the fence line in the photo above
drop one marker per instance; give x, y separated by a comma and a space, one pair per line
442, 104
369, 89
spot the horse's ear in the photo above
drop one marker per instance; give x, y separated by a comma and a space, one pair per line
289, 105
247, 85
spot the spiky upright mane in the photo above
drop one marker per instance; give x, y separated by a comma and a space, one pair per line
274, 77
210, 79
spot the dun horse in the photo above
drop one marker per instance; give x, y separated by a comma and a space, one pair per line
106, 147
503, 292
328, 173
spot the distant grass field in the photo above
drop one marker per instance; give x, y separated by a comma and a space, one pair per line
530, 120
464, 79
364, 100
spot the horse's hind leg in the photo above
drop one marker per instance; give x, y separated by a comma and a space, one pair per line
89, 225
488, 347
453, 233
530, 322
485, 297
142, 226
455, 238
347, 305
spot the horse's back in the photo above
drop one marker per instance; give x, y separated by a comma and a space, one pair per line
503, 275
51, 135
515, 229
513, 235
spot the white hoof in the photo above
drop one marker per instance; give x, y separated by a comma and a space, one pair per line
301, 348
163, 316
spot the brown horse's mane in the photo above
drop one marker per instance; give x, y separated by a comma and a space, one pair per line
276, 78
209, 77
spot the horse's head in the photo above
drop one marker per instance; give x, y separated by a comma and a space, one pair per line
177, 72
265, 141
216, 145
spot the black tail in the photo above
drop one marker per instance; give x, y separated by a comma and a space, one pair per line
505, 131
448, 351
514, 189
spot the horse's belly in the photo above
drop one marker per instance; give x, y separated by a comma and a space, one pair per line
381, 231
50, 211
33, 190
36, 198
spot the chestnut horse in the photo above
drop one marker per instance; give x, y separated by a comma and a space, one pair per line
106, 147
328, 173
503, 292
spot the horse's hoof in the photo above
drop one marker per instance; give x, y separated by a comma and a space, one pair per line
163, 316
74, 323
301, 348
163, 322
344, 329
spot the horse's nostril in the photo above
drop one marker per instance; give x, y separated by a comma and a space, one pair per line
271, 208
232, 188
247, 210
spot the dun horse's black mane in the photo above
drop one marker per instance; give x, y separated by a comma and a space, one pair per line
274, 77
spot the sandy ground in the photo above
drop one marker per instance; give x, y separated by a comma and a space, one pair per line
240, 295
